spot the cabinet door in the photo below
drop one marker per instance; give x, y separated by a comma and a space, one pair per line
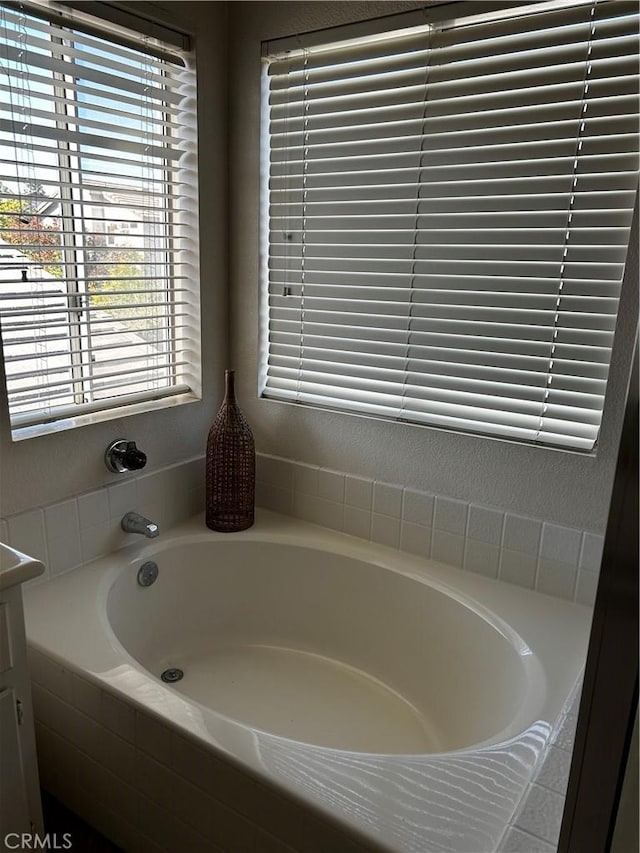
14, 814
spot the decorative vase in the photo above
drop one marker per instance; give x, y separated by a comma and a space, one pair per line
231, 466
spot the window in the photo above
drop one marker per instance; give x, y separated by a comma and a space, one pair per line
98, 219
449, 213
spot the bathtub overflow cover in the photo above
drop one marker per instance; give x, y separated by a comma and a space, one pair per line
172, 675
147, 573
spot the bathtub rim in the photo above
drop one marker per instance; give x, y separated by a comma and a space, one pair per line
471, 591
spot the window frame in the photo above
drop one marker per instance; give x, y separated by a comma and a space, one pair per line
165, 45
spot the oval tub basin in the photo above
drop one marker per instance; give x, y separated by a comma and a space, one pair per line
325, 649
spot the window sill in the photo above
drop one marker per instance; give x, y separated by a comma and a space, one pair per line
37, 430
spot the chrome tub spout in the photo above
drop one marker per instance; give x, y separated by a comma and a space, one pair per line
132, 522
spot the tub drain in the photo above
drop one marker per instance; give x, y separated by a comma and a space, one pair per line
172, 675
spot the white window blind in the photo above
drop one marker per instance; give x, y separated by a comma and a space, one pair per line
449, 215
98, 219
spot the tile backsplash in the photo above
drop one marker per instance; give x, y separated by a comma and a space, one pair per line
530, 552
551, 558
65, 534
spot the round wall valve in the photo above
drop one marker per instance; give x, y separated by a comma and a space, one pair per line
123, 455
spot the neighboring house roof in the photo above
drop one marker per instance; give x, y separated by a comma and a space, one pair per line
120, 196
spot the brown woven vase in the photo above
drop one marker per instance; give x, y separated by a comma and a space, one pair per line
231, 466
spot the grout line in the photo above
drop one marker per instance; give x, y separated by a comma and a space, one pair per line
536, 576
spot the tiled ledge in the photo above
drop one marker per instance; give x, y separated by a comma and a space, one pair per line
533, 553
530, 552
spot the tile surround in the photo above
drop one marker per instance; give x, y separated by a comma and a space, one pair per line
357, 522
561, 544
521, 842
530, 552
556, 578
482, 558
447, 548
522, 534
535, 827
417, 507
485, 525
387, 499
415, 539
450, 515
27, 529
385, 530
553, 559
76, 530
586, 587
517, 567
591, 554
541, 815
331, 485
358, 492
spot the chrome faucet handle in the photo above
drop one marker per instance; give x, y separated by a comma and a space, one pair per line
123, 455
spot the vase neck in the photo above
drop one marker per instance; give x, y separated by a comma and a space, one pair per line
230, 385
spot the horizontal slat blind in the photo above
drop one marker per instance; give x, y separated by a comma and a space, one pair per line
449, 215
98, 219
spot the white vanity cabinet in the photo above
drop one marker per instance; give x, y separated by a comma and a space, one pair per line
20, 806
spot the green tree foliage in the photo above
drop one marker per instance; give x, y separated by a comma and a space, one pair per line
113, 275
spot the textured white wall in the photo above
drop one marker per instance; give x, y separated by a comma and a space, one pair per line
565, 488
561, 487
41, 470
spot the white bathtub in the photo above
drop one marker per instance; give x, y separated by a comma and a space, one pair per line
337, 695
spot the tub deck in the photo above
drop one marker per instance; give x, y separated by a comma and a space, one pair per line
156, 769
